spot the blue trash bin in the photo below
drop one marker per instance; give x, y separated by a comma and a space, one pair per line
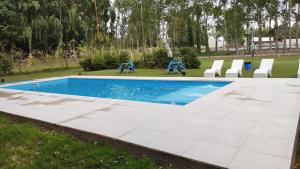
248, 66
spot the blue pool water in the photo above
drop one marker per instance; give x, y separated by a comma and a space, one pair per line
156, 91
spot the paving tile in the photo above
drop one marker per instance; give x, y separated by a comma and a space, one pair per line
269, 145
236, 124
281, 111
190, 131
214, 113
225, 137
279, 120
142, 136
171, 144
85, 124
276, 131
115, 130
245, 116
202, 121
162, 124
211, 153
253, 160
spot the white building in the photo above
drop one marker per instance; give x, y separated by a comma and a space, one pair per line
212, 42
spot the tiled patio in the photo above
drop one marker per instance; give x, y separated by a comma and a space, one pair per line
249, 124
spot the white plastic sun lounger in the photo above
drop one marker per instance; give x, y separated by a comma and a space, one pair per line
299, 70
215, 69
236, 69
265, 69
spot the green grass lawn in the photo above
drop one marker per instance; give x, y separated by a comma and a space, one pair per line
24, 145
283, 67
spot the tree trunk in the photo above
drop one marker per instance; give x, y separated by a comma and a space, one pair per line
138, 31
290, 26
198, 32
142, 25
174, 32
276, 34
284, 42
259, 30
116, 36
158, 30
236, 31
284, 32
207, 49
97, 20
216, 47
225, 30
163, 30
150, 39
138, 40
61, 34
298, 27
270, 36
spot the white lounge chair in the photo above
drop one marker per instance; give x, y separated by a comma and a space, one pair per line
299, 70
215, 69
236, 69
265, 69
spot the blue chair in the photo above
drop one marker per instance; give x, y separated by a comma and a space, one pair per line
129, 66
175, 65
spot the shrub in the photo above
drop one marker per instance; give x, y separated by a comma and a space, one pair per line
139, 64
148, 61
86, 64
6, 65
110, 62
123, 57
158, 59
97, 63
161, 58
92, 63
189, 58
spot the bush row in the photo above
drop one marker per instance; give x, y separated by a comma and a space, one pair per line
157, 59
104, 60
160, 59
6, 65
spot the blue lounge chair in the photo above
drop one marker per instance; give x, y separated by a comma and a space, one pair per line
129, 66
175, 66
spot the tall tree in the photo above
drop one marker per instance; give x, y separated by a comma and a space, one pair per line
290, 25
297, 21
259, 6
224, 4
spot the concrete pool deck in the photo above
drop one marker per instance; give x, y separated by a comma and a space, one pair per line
248, 124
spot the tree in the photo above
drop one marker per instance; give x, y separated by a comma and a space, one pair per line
163, 28
284, 14
198, 12
259, 6
235, 30
235, 6
44, 26
290, 25
297, 20
272, 10
97, 20
219, 21
224, 4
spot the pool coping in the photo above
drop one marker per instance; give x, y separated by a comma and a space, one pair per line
193, 105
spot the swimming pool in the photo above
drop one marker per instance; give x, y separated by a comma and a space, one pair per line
155, 91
